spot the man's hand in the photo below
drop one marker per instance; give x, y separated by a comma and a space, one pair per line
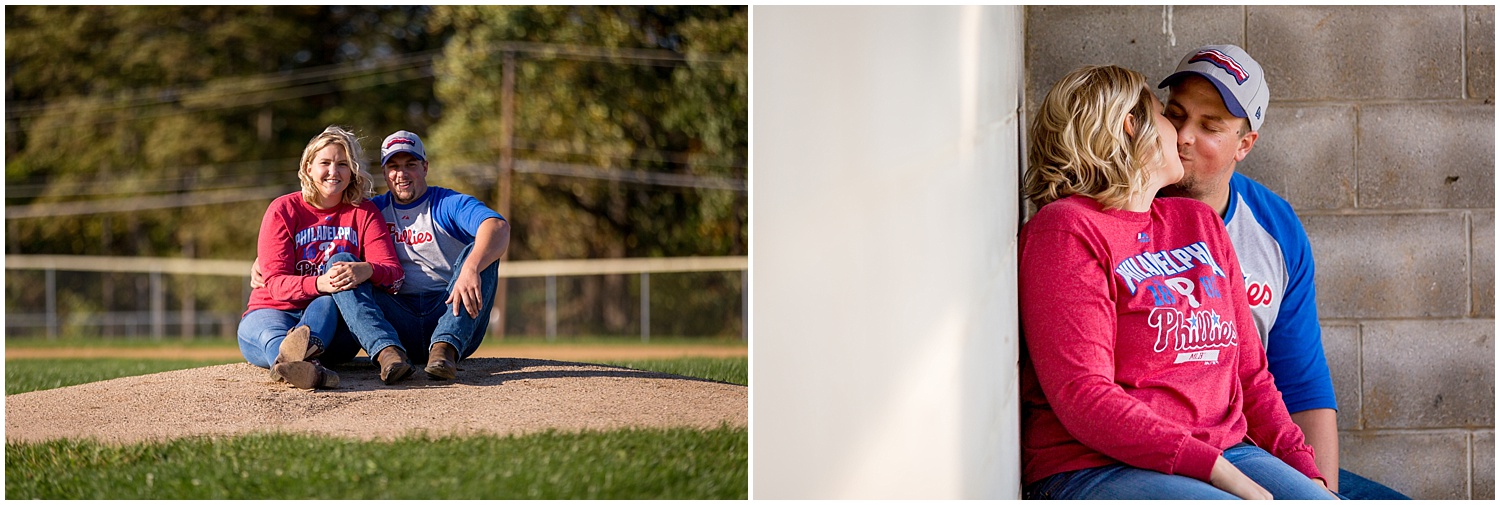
1227, 477
1324, 484
257, 281
1320, 427
466, 293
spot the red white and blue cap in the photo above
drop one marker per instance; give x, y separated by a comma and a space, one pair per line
402, 142
1240, 81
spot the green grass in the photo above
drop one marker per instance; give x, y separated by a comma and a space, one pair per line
622, 464
731, 370
68, 342
23, 375
210, 342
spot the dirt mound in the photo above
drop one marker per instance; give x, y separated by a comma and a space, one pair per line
491, 395
488, 350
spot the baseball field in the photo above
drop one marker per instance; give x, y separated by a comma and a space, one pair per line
575, 419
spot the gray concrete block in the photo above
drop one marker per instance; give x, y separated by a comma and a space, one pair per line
1479, 43
1342, 53
1306, 155
1149, 40
1429, 374
1482, 278
1483, 479
1426, 156
1390, 266
1423, 465
1341, 347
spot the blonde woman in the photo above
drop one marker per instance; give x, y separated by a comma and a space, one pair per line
326, 239
1142, 374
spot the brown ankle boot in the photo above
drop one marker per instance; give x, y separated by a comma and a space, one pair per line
394, 366
306, 374
441, 361
298, 345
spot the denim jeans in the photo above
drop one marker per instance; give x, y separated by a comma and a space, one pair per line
343, 321
423, 319
1123, 482
361, 314
1356, 487
262, 330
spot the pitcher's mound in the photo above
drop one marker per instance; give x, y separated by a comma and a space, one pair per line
490, 396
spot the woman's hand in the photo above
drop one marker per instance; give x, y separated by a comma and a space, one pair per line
344, 275
1227, 477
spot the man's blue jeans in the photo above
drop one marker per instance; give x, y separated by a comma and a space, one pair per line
1123, 482
361, 313
344, 321
1356, 487
420, 320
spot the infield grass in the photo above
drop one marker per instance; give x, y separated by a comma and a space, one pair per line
621, 464
731, 370
23, 375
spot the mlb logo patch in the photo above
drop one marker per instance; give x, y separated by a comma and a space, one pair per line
1223, 61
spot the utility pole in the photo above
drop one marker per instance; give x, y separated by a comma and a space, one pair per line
507, 166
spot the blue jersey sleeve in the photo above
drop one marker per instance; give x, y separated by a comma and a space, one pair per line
460, 215
1295, 349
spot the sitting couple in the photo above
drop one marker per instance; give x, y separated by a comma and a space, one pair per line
1143, 370
409, 274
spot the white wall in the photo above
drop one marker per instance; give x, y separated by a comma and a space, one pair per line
884, 211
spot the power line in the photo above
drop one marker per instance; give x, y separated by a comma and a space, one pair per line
235, 195
60, 209
168, 94
609, 174
302, 79
258, 169
266, 97
263, 172
648, 155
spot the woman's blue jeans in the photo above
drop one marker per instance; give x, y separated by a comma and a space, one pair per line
262, 330
1123, 482
344, 321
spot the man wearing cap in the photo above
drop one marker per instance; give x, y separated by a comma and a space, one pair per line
1217, 100
449, 244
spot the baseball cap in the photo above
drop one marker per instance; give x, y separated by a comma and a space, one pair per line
402, 142
1239, 78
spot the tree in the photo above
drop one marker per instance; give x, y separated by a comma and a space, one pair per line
654, 89
110, 104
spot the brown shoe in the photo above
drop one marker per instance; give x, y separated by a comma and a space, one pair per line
306, 374
299, 345
394, 367
440, 361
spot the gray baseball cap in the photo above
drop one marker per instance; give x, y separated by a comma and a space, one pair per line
402, 142
1239, 78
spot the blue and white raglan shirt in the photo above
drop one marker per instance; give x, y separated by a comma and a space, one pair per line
1278, 266
431, 232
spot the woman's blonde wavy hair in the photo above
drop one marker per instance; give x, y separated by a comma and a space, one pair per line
1079, 145
363, 184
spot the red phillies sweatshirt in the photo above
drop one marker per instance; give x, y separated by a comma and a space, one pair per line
296, 239
1139, 344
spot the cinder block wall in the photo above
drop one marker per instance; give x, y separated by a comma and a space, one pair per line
1381, 134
